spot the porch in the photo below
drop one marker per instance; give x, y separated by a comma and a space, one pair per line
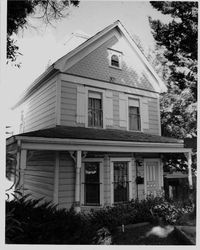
83, 167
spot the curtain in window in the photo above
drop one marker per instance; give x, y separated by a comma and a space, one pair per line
120, 182
95, 113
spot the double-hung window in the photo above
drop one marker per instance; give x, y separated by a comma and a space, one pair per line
92, 183
121, 183
95, 110
134, 115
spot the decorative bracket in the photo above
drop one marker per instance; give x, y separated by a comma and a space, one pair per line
73, 155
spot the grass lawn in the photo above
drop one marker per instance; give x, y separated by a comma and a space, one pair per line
142, 236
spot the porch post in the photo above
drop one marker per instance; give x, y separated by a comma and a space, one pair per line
22, 168
189, 159
78, 183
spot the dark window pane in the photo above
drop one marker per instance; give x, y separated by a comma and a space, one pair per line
115, 60
92, 184
134, 118
95, 113
92, 194
120, 181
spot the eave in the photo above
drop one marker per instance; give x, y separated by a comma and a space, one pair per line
57, 144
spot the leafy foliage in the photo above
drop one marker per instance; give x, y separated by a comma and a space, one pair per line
177, 42
44, 224
178, 110
38, 222
19, 11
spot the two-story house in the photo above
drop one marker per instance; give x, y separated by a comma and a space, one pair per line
90, 133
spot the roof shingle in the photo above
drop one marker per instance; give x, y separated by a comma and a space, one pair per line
66, 132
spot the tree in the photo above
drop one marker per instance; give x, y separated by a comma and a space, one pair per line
179, 37
177, 42
18, 12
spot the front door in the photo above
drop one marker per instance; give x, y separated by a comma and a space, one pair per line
152, 177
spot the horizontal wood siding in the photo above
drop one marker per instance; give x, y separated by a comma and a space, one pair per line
39, 109
66, 181
68, 103
153, 116
116, 109
39, 174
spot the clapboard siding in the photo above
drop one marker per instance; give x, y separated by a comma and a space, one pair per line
116, 109
41, 125
154, 122
66, 180
39, 174
68, 103
39, 109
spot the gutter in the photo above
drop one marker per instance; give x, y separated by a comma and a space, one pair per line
98, 142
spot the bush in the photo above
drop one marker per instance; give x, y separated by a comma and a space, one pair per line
44, 224
171, 212
30, 222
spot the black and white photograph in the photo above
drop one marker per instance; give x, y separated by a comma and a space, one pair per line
100, 114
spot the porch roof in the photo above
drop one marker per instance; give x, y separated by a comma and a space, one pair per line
66, 132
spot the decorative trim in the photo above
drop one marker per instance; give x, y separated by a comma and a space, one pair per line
91, 82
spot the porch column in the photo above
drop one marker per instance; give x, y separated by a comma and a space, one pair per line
188, 155
78, 183
22, 168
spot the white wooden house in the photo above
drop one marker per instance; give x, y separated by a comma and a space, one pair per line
90, 133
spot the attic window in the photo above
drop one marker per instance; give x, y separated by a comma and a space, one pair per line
115, 59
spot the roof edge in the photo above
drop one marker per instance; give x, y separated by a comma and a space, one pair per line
46, 74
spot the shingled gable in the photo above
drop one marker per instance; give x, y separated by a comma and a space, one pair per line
61, 64
66, 61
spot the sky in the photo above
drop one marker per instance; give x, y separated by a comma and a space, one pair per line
41, 45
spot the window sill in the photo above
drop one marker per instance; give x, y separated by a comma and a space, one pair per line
119, 68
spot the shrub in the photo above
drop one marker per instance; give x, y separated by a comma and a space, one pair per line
44, 224
171, 212
30, 222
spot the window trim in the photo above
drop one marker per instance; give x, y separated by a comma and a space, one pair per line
102, 92
101, 181
118, 54
140, 110
130, 177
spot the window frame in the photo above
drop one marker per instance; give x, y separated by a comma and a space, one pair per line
102, 92
94, 110
118, 54
139, 99
130, 177
101, 183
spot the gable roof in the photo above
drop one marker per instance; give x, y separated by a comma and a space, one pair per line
160, 87
57, 66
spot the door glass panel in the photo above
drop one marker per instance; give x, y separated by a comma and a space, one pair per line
92, 190
120, 181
